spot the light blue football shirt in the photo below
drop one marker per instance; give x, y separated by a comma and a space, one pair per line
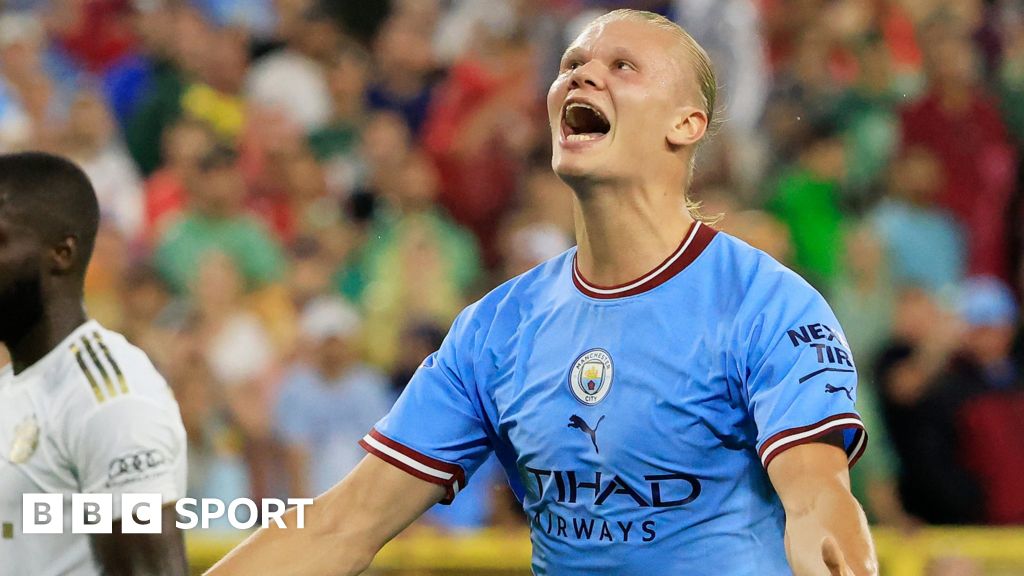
635, 422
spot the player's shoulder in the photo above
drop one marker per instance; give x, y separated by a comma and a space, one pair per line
756, 273
524, 291
97, 367
767, 298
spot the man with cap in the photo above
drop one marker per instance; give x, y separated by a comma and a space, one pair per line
989, 419
937, 395
328, 399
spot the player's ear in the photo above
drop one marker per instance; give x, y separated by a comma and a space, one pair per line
64, 255
688, 126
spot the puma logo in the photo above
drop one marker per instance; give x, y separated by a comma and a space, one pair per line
581, 425
833, 389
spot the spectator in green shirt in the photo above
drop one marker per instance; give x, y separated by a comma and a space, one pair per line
807, 200
216, 220
336, 145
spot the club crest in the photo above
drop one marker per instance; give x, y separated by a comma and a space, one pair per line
591, 376
26, 437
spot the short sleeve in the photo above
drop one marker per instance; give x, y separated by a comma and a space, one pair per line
801, 380
435, 431
132, 445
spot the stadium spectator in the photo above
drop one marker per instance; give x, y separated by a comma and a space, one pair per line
216, 459
293, 79
36, 86
808, 200
216, 94
216, 221
418, 342
867, 112
130, 79
145, 303
243, 358
730, 31
924, 244
418, 265
921, 412
327, 400
804, 94
990, 378
976, 158
761, 230
336, 144
185, 143
405, 69
92, 140
480, 131
96, 33
864, 301
183, 62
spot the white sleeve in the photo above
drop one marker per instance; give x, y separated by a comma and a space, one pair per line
132, 444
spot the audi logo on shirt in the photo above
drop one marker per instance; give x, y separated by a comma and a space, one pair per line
133, 465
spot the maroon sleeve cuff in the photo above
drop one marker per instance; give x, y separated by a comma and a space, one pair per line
432, 470
782, 441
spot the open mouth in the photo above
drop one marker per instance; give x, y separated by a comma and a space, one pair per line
582, 122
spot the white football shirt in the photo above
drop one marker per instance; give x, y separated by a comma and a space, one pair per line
93, 415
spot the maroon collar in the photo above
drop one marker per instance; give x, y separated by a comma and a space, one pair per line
694, 242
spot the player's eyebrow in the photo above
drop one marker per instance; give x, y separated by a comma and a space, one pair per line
617, 53
623, 53
573, 52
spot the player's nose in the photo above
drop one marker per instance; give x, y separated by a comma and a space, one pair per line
586, 75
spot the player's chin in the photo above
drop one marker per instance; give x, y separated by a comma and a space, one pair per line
573, 168
577, 162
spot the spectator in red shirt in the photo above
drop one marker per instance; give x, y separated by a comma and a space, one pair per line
184, 144
957, 121
479, 130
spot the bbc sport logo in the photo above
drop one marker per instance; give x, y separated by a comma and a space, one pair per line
143, 513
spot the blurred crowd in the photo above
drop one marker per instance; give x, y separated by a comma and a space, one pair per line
298, 197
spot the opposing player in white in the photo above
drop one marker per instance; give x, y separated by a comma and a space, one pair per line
81, 409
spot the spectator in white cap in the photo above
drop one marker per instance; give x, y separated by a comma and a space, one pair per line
989, 309
328, 399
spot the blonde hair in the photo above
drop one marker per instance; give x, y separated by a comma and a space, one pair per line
703, 69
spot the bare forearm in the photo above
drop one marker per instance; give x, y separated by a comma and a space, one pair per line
832, 512
313, 550
826, 530
343, 529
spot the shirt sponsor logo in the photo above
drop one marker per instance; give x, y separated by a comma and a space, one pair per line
590, 379
830, 347
570, 488
135, 466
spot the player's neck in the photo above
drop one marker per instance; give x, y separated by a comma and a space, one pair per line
622, 233
49, 330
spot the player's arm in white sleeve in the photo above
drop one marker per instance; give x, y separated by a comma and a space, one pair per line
134, 444
344, 529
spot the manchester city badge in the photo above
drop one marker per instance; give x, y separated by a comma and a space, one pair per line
591, 376
26, 438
